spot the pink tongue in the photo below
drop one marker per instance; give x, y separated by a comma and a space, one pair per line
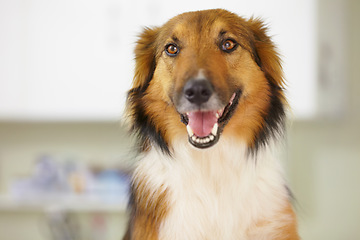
202, 122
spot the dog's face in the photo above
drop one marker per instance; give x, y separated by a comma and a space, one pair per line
211, 71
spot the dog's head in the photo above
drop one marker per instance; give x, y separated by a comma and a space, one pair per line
208, 73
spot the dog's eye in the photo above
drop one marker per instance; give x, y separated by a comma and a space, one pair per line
229, 45
171, 50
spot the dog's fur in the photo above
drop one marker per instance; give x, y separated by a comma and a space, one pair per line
187, 186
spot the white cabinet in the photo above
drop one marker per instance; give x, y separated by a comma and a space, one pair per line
62, 60
72, 59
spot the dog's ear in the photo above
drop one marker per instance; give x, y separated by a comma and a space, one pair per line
267, 58
265, 53
145, 62
136, 117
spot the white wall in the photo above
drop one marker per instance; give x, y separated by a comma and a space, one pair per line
324, 155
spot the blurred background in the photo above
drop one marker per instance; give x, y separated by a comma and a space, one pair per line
65, 67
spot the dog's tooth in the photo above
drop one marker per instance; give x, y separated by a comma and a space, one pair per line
207, 140
211, 137
217, 115
220, 112
232, 98
193, 138
189, 130
215, 129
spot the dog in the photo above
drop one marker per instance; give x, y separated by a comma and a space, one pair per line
207, 106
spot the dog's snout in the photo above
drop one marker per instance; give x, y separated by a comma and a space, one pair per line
198, 91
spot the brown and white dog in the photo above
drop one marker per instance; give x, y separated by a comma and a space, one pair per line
207, 105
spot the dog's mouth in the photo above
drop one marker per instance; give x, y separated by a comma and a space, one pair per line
205, 127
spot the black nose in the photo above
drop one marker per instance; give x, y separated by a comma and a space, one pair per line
198, 91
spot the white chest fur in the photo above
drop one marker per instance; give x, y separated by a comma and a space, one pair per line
217, 193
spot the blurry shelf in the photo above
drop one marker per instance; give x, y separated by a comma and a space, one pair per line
70, 203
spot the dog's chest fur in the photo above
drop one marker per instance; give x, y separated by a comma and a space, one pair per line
218, 193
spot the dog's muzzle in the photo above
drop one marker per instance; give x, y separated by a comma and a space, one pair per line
203, 113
